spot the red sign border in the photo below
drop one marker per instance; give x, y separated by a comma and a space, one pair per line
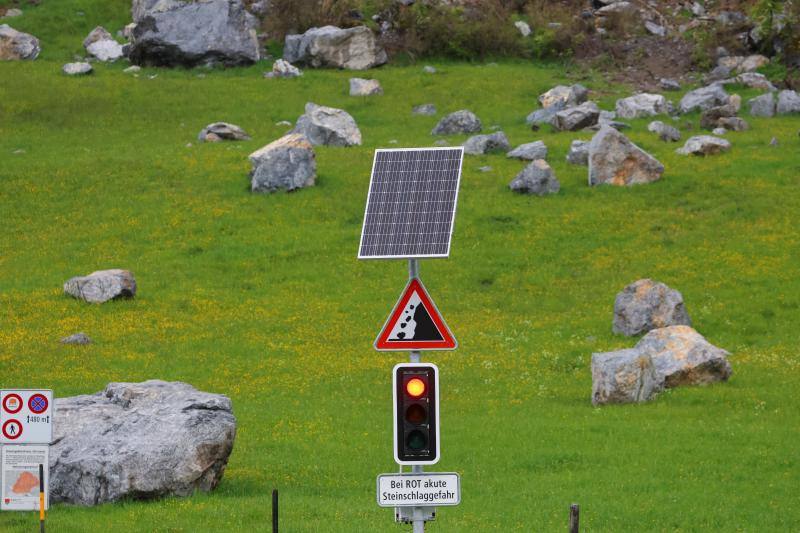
383, 344
46, 403
7, 422
18, 397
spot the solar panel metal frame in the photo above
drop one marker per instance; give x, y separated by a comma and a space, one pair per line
452, 215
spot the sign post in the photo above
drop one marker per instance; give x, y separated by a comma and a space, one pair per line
26, 431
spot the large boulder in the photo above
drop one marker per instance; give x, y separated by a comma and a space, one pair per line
536, 178
141, 8
458, 123
615, 160
788, 102
102, 286
681, 356
137, 441
328, 126
704, 145
286, 164
703, 98
203, 32
16, 45
641, 105
329, 46
578, 117
484, 144
529, 151
222, 131
645, 305
564, 96
624, 376
763, 105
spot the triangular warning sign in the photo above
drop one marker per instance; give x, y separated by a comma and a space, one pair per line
415, 324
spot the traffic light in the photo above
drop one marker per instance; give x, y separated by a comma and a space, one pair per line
416, 413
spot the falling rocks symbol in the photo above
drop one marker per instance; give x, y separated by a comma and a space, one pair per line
422, 329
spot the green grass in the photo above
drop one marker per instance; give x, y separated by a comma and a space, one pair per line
261, 298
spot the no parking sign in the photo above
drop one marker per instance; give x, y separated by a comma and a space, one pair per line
26, 416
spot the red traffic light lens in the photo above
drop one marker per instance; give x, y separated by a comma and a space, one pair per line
416, 414
415, 387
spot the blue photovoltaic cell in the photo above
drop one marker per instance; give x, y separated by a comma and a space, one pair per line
411, 203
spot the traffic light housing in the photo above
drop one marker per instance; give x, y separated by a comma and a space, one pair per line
416, 413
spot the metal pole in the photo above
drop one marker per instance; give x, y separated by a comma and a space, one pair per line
417, 520
274, 510
41, 498
574, 518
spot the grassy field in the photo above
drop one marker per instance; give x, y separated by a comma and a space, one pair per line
261, 297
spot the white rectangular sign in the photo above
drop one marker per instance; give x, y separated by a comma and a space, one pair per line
417, 490
26, 416
19, 477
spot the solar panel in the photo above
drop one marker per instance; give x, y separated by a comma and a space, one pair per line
411, 203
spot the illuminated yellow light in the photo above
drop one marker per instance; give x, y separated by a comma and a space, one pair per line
415, 387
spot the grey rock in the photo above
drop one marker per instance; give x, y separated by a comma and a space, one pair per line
97, 34
167, 34
427, 69
774, 142
441, 142
566, 96
641, 105
718, 73
624, 376
578, 153
127, 31
133, 69
76, 69
105, 50
362, 87
139, 441
669, 84
529, 151
222, 131
754, 80
709, 119
13, 12
140, 8
698, 10
615, 160
288, 163
719, 131
733, 124
704, 145
752, 63
523, 28
681, 356
76, 338
665, 132
788, 102
578, 117
484, 144
536, 178
645, 305
655, 29
102, 286
424, 109
16, 45
328, 126
546, 115
283, 69
703, 98
458, 123
485, 168
329, 46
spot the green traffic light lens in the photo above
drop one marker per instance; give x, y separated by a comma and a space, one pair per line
416, 440
416, 414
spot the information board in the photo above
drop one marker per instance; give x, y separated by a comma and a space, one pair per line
19, 477
26, 416
417, 490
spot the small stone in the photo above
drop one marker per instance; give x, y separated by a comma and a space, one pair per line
733, 124
328, 126
719, 131
753, 62
283, 123
704, 145
669, 84
76, 338
485, 169
76, 69
13, 12
529, 151
655, 29
578, 117
132, 69
427, 69
362, 87
665, 132
105, 50
774, 142
578, 153
283, 69
709, 119
222, 131
543, 116
97, 34
458, 123
484, 144
424, 109
536, 178
523, 28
